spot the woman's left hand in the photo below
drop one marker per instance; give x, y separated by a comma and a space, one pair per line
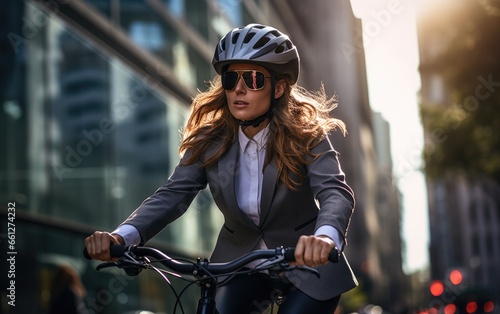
313, 251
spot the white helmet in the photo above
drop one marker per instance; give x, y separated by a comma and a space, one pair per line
258, 43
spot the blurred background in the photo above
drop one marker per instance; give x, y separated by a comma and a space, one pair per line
93, 95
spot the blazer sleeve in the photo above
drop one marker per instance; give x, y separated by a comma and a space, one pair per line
169, 201
328, 183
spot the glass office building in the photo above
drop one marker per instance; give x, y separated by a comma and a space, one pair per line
93, 95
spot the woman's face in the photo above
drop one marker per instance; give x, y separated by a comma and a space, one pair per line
247, 104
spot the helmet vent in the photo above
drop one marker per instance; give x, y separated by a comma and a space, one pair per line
248, 37
261, 43
235, 38
287, 45
276, 34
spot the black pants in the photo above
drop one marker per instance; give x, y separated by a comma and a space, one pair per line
253, 294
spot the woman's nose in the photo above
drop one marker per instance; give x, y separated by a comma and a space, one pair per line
240, 86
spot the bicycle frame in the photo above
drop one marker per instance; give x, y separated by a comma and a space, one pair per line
208, 290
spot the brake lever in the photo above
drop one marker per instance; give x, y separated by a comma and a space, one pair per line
272, 263
279, 265
129, 264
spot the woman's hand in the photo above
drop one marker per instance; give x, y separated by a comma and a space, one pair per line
98, 245
313, 251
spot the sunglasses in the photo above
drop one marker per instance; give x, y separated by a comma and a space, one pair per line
253, 79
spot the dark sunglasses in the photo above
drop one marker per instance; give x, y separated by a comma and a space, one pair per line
253, 79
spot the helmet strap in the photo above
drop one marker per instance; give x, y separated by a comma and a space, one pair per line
269, 114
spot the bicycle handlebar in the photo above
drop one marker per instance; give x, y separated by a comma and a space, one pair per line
213, 268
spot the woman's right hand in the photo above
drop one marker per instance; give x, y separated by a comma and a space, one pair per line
98, 244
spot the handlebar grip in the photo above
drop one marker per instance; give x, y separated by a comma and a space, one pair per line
114, 250
334, 256
290, 255
118, 250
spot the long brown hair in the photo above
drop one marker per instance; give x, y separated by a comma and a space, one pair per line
301, 120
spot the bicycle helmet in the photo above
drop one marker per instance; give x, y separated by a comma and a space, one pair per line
261, 44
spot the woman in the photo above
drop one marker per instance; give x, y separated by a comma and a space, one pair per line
261, 144
67, 293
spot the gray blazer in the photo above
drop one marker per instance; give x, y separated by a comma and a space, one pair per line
285, 214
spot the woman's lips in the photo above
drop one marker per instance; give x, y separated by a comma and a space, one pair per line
240, 104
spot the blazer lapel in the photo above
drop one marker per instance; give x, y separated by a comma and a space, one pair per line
227, 170
268, 188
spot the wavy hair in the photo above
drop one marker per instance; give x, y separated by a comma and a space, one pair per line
301, 120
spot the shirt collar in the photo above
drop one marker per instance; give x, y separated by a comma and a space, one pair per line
259, 138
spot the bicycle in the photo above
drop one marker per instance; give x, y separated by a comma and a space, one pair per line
133, 259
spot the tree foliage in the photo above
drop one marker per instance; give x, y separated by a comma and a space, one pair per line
464, 131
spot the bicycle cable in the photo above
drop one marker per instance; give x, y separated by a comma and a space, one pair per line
177, 296
178, 303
